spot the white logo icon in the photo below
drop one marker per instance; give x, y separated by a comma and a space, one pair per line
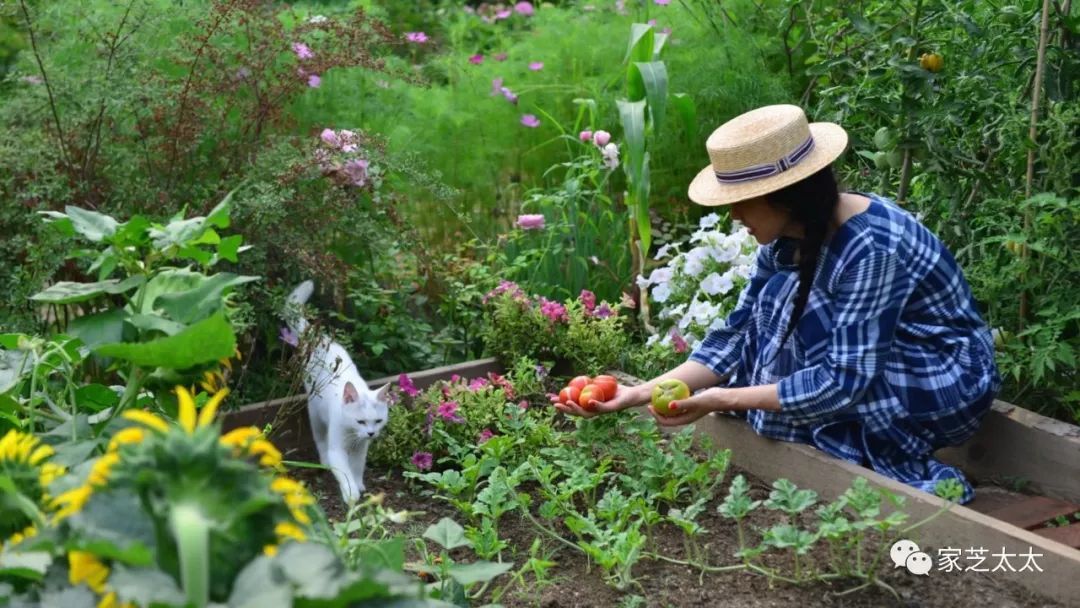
900, 551
919, 563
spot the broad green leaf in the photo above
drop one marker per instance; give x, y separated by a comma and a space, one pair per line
99, 328
95, 397
632, 114
178, 233
658, 45
70, 292
229, 247
156, 323
113, 524
145, 586
641, 43
30, 565
202, 300
91, 224
71, 453
13, 364
219, 215
655, 79
174, 280
257, 586
687, 111
478, 572
447, 533
644, 224
204, 342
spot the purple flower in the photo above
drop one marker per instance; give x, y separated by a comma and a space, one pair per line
484, 436
496, 86
476, 59
503, 14
447, 410
588, 300
662, 2
530, 221
302, 50
356, 170
330, 138
603, 311
422, 460
407, 386
601, 138
314, 81
504, 286
499, 57
524, 9
288, 337
536, 66
530, 121
552, 310
416, 37
585, 136
509, 95
541, 372
477, 384
678, 343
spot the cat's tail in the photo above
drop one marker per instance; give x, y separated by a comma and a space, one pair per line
294, 308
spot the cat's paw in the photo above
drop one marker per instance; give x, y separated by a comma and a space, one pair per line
352, 493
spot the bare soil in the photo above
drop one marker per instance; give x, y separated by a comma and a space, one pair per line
575, 584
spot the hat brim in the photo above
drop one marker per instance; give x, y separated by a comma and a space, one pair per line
830, 139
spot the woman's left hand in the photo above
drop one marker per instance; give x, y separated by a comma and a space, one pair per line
685, 411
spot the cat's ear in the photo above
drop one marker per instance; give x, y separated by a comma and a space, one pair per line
349, 395
383, 393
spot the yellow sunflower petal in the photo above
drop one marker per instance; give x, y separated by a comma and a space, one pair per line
186, 413
270, 550
71, 502
270, 456
99, 473
49, 473
41, 453
147, 419
86, 567
285, 530
206, 416
131, 434
285, 485
301, 516
238, 438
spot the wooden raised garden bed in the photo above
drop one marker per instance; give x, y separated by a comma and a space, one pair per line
1014, 448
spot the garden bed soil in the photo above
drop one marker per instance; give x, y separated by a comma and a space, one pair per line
670, 585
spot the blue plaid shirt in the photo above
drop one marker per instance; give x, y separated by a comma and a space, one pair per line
890, 360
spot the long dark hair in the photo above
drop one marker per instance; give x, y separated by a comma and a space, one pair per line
812, 203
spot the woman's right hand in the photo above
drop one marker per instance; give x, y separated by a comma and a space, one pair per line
625, 396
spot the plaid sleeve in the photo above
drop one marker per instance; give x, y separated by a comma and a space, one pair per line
867, 302
721, 349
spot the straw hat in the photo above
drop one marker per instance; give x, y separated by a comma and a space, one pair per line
762, 151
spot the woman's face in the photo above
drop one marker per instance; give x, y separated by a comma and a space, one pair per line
765, 222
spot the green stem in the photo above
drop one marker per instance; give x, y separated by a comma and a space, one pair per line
192, 533
702, 567
551, 532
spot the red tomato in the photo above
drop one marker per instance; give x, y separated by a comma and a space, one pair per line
569, 395
608, 384
591, 391
580, 382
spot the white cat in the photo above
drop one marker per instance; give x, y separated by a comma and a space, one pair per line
345, 414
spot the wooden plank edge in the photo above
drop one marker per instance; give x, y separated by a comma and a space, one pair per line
1050, 449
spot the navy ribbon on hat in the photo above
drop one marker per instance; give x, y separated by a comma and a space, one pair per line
768, 169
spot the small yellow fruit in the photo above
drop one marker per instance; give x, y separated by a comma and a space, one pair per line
931, 62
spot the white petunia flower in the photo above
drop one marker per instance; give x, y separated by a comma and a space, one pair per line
709, 220
661, 292
718, 323
711, 284
663, 251
695, 261
661, 275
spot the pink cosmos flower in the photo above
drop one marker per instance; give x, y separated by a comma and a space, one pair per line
601, 138
302, 50
499, 57
509, 95
330, 138
503, 14
314, 81
525, 9
356, 169
536, 66
447, 410
422, 460
530, 121
476, 59
662, 2
497, 86
407, 386
504, 287
416, 37
530, 221
603, 311
552, 310
477, 384
484, 436
585, 136
678, 342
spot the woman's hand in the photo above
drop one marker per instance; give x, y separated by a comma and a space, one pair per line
685, 411
625, 396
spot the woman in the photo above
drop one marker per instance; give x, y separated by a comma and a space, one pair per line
857, 334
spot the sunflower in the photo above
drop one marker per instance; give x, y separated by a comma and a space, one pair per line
250, 440
25, 461
296, 497
84, 567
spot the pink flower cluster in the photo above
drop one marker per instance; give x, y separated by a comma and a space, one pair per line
554, 311
530, 221
505, 287
588, 301
354, 171
422, 460
490, 13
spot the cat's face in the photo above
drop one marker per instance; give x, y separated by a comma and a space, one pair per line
365, 413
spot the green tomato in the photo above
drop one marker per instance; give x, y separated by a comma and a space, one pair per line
895, 159
881, 160
667, 391
884, 139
